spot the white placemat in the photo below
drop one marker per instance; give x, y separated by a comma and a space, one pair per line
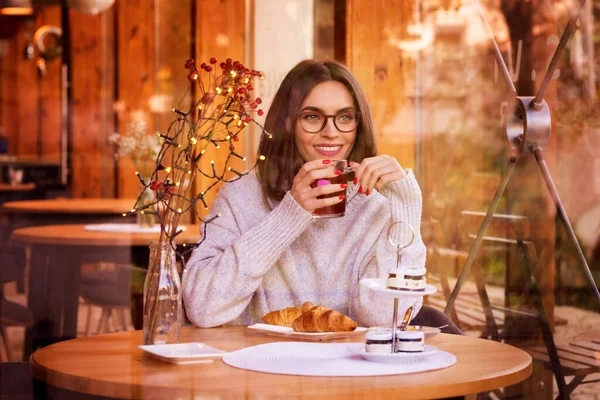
127, 228
326, 359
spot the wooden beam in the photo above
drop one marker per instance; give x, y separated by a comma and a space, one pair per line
92, 80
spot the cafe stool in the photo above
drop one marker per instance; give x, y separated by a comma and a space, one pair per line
108, 289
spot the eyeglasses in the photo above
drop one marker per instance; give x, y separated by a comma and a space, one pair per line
313, 121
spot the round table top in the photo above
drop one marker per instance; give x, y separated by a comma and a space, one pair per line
70, 206
112, 365
77, 235
19, 187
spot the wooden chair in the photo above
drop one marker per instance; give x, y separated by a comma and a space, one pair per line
11, 314
578, 359
109, 289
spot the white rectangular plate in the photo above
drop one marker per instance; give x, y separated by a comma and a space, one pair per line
184, 353
284, 331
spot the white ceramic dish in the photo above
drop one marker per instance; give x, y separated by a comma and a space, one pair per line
276, 330
359, 349
428, 331
380, 286
184, 353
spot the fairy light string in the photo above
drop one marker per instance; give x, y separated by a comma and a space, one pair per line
224, 109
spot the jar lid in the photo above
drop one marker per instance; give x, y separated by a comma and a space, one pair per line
411, 271
415, 271
409, 334
379, 334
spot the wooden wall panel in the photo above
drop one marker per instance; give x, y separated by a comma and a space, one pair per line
173, 48
49, 106
371, 28
8, 87
220, 33
26, 97
92, 79
136, 76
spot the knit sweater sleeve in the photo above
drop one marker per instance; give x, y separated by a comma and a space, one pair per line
405, 202
228, 267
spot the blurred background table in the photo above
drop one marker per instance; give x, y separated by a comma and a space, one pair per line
57, 253
112, 365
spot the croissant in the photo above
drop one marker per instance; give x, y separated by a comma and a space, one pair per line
283, 317
323, 319
307, 305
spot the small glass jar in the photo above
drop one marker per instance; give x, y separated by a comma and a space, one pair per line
378, 340
409, 341
409, 279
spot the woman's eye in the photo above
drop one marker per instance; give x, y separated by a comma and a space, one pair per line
346, 117
312, 117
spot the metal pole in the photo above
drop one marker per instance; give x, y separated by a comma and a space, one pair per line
537, 152
486, 222
394, 323
497, 53
537, 102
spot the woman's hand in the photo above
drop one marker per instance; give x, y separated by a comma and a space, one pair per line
375, 172
305, 195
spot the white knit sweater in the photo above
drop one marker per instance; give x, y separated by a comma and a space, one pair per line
255, 260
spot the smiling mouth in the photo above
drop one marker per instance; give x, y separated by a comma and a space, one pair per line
328, 149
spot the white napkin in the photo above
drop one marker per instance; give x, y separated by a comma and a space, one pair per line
326, 359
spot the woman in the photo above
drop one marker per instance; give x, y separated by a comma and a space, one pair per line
267, 252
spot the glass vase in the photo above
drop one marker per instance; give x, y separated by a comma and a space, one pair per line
163, 307
146, 220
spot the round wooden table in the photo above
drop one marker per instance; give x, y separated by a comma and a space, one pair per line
18, 187
57, 253
112, 365
66, 211
70, 206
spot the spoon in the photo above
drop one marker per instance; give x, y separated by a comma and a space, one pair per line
420, 327
406, 319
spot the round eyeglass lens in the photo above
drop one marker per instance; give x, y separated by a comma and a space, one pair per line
315, 121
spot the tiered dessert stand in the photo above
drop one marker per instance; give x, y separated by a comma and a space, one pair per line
380, 285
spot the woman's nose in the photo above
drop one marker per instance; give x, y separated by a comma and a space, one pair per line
330, 129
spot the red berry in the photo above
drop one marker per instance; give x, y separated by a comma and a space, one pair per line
260, 112
228, 61
213, 60
189, 63
250, 87
232, 147
242, 91
253, 105
222, 65
202, 65
236, 139
258, 100
208, 68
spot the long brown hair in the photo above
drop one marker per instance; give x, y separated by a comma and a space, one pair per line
283, 160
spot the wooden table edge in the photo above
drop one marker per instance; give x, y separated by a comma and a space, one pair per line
131, 390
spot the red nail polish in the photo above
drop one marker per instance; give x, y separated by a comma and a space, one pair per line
342, 197
355, 180
343, 185
337, 172
326, 161
368, 192
360, 189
